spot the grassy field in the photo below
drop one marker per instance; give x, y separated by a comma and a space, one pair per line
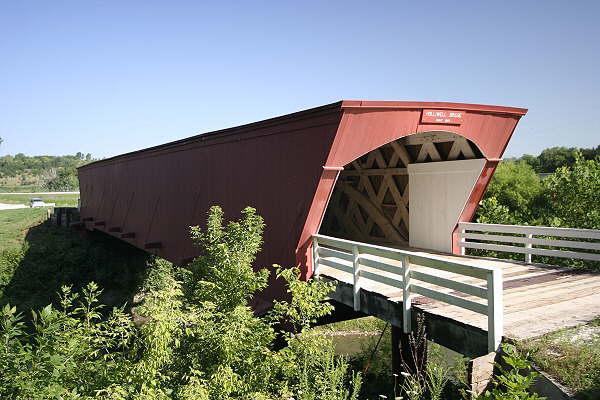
61, 200
15, 223
20, 188
37, 259
572, 356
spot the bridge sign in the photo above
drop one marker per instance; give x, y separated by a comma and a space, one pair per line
442, 117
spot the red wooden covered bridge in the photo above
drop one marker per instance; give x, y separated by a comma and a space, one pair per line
349, 190
341, 169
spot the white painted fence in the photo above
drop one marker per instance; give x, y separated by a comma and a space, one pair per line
518, 234
352, 257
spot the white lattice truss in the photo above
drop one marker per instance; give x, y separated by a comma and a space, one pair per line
370, 201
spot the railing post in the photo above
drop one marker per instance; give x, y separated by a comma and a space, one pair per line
356, 268
462, 240
315, 254
406, 300
528, 246
495, 309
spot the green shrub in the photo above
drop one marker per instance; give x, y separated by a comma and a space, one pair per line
196, 336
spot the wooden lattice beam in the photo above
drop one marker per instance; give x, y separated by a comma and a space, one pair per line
373, 190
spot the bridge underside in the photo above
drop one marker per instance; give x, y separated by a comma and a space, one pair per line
538, 299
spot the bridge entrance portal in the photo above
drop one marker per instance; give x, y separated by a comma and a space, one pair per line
408, 192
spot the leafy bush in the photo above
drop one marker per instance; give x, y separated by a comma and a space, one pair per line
196, 336
516, 186
515, 378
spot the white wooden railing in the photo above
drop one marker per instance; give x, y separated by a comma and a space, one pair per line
352, 257
524, 235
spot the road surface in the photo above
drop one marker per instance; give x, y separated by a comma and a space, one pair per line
12, 206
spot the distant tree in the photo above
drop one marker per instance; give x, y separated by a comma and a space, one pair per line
590, 154
555, 157
88, 157
65, 180
79, 155
572, 195
533, 161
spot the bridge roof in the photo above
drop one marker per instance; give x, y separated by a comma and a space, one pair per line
342, 104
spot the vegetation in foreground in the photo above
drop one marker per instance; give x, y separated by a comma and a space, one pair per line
199, 338
190, 335
572, 355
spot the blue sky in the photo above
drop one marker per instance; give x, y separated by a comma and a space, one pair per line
107, 77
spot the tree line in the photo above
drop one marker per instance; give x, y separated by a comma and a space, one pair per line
53, 173
554, 158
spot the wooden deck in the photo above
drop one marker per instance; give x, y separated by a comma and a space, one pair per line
537, 298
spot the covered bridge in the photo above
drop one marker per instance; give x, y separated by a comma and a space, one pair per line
401, 174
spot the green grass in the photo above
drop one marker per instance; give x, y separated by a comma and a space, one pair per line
37, 259
15, 223
61, 200
8, 188
572, 356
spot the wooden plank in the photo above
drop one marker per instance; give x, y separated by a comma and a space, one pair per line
395, 254
327, 252
430, 137
401, 151
382, 279
450, 299
376, 171
315, 256
495, 307
356, 278
520, 293
336, 265
555, 297
450, 284
450, 266
541, 320
459, 146
542, 242
335, 242
393, 269
535, 230
535, 251
380, 219
428, 149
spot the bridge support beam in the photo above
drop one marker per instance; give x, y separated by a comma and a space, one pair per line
480, 372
